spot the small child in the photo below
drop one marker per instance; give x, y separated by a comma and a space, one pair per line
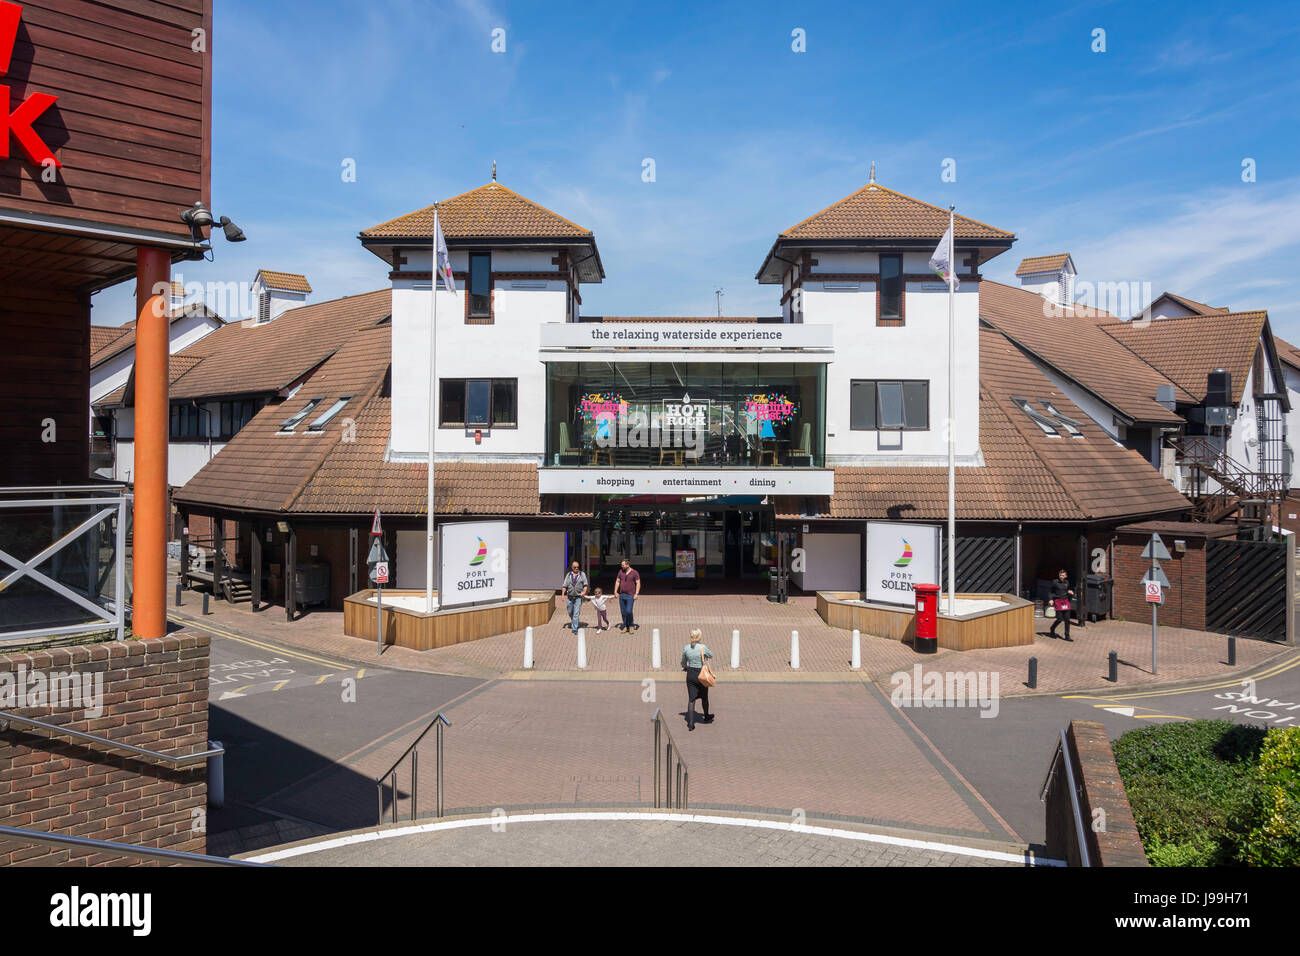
598, 600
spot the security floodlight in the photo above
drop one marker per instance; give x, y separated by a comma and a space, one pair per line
233, 232
198, 217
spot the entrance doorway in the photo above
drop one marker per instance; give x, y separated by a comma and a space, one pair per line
669, 540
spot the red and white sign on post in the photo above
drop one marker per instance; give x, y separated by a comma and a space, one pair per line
376, 526
1154, 594
381, 572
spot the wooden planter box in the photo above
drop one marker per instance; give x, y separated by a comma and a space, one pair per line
422, 631
1007, 626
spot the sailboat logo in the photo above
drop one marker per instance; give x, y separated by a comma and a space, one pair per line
482, 554
906, 558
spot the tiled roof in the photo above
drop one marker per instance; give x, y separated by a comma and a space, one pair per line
263, 470
491, 211
1189, 347
876, 212
1287, 352
247, 358
1027, 476
177, 365
102, 335
126, 332
285, 281
1076, 347
1036, 264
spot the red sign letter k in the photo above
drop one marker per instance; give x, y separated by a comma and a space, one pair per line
20, 121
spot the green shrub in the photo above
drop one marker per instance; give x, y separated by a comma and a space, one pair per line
1194, 789
1275, 838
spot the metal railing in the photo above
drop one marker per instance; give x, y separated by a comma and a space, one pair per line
106, 502
674, 767
1226, 482
171, 760
1062, 753
123, 849
440, 722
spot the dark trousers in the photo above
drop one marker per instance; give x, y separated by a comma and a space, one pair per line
625, 606
1062, 617
694, 690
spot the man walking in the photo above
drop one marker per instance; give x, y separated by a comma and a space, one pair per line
575, 589
628, 589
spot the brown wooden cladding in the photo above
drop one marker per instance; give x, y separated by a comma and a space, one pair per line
132, 126
44, 374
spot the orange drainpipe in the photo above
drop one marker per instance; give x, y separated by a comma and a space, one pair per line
149, 552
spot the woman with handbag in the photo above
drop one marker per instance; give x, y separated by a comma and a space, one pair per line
1060, 602
699, 677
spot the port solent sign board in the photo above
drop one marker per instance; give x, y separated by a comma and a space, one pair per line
686, 481
473, 563
900, 556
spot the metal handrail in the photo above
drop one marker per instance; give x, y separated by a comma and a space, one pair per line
174, 761
1062, 752
125, 849
440, 721
680, 771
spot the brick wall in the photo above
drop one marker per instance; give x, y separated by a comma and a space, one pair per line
155, 695
1109, 828
1184, 598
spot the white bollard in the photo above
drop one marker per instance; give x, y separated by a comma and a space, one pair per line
856, 661
735, 650
528, 648
582, 648
794, 650
656, 652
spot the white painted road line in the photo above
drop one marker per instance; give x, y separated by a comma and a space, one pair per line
371, 836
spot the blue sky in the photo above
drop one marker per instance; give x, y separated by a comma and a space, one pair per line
1131, 159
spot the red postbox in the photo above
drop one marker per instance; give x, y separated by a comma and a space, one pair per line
927, 618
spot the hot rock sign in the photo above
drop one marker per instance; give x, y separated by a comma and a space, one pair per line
21, 118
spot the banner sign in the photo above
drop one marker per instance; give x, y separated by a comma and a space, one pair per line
686, 335
900, 556
473, 563
685, 565
685, 481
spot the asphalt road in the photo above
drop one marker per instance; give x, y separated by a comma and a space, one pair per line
1005, 757
283, 714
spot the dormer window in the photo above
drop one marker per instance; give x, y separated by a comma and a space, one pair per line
889, 291
320, 423
290, 423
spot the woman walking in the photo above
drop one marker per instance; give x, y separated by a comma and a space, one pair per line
1060, 597
695, 658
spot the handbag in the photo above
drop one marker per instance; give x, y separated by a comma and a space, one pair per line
1049, 611
707, 677
1061, 605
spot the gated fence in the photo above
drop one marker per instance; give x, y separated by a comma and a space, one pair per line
1246, 588
984, 565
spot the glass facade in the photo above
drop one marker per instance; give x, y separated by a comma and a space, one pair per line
685, 415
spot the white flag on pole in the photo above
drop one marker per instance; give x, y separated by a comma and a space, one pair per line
442, 256
941, 261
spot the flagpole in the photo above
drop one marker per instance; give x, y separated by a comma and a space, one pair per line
952, 421
432, 409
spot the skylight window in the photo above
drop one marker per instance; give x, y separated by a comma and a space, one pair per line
290, 423
1042, 421
1070, 425
320, 423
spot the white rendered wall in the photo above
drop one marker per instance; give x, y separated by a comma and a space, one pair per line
916, 350
536, 559
1292, 377
832, 562
505, 349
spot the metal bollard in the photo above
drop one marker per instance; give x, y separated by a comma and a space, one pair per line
855, 658
528, 648
1033, 673
794, 650
735, 649
582, 648
1232, 651
178, 591
216, 776
656, 650
206, 595
1112, 665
